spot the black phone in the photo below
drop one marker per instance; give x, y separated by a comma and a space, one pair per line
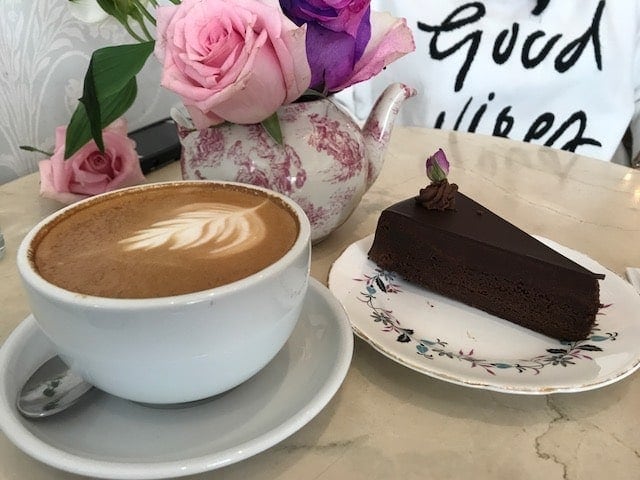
157, 144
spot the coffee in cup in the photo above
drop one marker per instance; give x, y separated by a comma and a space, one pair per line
164, 240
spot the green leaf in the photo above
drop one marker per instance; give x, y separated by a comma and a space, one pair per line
502, 365
92, 107
79, 129
112, 9
113, 67
109, 91
272, 126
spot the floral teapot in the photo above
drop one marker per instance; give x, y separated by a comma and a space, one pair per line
326, 164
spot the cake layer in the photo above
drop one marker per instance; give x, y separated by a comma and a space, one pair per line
474, 256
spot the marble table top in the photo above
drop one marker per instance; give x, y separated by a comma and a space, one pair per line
388, 421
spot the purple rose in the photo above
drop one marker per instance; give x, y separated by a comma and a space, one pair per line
338, 32
437, 166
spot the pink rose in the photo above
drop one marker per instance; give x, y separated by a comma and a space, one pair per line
391, 39
89, 172
231, 60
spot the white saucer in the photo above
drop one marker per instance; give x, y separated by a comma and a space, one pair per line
446, 339
105, 436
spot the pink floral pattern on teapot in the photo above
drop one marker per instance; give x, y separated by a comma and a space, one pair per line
326, 164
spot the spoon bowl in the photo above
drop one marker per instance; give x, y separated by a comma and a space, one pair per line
50, 390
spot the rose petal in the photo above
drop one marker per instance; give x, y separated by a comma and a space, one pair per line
332, 64
337, 15
391, 39
292, 53
47, 188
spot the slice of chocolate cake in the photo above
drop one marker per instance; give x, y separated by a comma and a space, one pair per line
474, 256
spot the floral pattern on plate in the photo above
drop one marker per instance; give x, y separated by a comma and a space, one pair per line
570, 352
445, 339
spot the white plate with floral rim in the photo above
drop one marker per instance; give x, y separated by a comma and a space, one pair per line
107, 437
451, 341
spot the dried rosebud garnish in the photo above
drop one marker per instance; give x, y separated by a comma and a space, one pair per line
437, 166
439, 194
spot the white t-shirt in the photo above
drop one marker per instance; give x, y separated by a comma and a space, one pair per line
566, 77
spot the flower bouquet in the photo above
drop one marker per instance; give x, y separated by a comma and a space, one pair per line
235, 60
232, 61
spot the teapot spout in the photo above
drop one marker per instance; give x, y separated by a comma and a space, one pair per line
379, 125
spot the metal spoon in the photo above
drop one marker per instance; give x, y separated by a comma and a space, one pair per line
50, 390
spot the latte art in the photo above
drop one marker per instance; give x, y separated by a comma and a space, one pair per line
219, 227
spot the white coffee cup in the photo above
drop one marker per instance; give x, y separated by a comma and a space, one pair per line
173, 349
